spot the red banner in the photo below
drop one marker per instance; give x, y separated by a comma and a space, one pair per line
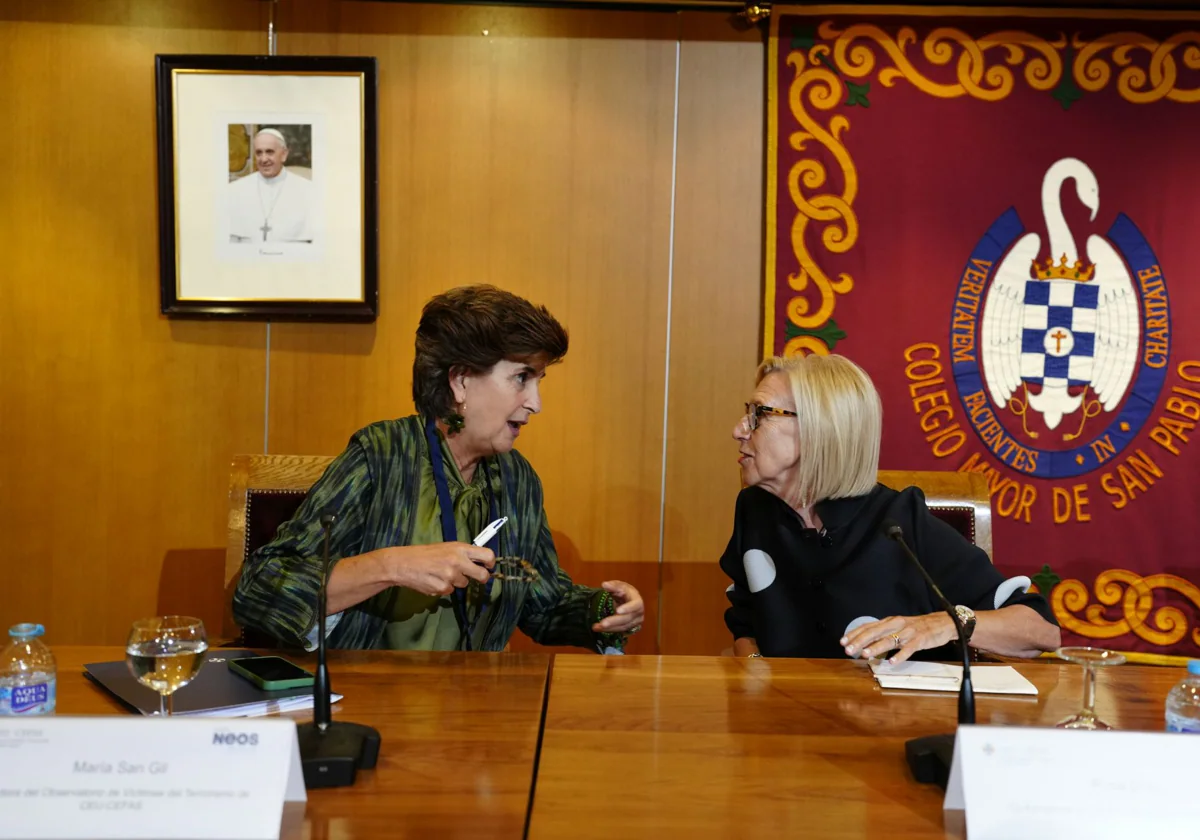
995, 217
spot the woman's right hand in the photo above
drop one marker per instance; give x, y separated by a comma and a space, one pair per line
440, 568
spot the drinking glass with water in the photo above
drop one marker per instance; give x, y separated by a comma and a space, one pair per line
165, 653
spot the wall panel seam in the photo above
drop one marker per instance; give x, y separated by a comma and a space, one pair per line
662, 498
267, 397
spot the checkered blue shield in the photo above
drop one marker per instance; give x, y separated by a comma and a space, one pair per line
1058, 335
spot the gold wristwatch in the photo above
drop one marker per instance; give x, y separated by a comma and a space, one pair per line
967, 616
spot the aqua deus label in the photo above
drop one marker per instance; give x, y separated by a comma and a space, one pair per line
27, 699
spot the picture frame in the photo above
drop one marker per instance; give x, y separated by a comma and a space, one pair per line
268, 187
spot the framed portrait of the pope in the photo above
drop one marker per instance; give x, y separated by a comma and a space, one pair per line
267, 187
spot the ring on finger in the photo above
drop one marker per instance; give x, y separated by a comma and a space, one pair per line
635, 628
896, 640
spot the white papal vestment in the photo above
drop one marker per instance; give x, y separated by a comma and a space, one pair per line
275, 209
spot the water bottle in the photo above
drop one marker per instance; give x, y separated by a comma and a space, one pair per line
27, 673
1183, 703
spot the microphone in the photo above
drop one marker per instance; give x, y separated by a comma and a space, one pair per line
322, 691
331, 753
930, 757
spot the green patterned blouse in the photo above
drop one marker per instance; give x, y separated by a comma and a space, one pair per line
382, 489
428, 622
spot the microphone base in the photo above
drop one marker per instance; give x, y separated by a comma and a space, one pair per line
332, 758
930, 758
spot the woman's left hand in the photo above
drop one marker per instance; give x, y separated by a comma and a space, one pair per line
905, 634
630, 609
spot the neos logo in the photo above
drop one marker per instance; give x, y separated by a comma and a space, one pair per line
235, 739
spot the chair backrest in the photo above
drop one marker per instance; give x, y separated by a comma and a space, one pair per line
264, 492
958, 498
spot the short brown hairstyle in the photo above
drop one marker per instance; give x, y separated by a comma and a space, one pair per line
473, 328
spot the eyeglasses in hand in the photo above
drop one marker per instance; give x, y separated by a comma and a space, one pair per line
515, 569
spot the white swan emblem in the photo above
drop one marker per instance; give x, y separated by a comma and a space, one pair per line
1060, 333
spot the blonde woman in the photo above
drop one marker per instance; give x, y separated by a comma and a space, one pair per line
808, 555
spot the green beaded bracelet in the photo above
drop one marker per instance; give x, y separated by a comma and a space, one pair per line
606, 606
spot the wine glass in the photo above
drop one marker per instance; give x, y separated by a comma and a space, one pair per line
1090, 658
164, 654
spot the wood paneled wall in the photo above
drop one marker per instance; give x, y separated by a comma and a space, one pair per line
116, 425
606, 164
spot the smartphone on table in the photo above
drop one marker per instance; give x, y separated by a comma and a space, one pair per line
271, 673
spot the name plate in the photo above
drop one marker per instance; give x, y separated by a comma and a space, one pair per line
1056, 783
109, 777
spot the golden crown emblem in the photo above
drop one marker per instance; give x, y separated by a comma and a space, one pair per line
1081, 272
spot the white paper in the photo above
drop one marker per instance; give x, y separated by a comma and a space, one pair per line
110, 777
1046, 784
266, 707
940, 676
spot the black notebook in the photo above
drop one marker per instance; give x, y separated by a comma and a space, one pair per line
215, 692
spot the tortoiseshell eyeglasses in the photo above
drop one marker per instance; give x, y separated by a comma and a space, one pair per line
754, 412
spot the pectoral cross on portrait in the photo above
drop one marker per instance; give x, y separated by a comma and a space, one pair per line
266, 228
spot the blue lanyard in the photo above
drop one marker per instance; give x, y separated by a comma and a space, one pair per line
450, 529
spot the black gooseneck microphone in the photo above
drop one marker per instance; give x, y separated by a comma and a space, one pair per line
930, 757
331, 753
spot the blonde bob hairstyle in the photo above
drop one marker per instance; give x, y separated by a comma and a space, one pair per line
840, 423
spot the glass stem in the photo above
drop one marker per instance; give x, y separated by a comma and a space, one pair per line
171, 703
162, 705
1089, 691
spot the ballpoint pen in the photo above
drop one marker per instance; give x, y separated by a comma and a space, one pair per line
490, 531
506, 568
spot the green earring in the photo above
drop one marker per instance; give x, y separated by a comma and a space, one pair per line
454, 421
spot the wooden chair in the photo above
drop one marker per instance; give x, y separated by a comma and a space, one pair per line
958, 498
264, 492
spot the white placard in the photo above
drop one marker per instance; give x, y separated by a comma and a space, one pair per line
1054, 783
109, 777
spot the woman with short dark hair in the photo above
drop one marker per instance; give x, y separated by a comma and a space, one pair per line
412, 494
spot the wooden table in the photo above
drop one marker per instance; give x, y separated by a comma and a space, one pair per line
459, 734
655, 747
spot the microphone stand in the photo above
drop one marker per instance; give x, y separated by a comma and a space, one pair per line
931, 757
331, 753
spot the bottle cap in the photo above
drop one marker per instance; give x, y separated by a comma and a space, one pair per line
26, 631
1194, 666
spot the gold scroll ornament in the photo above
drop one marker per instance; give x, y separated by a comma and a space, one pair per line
1135, 595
